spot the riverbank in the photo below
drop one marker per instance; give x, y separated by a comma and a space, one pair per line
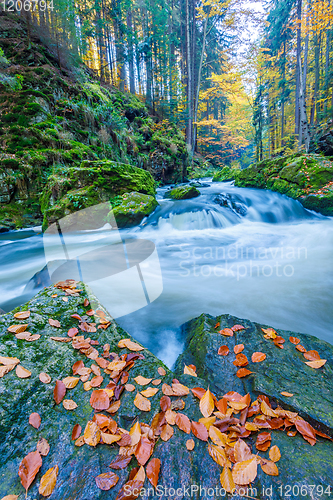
190, 435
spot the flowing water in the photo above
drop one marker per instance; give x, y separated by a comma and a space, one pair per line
250, 253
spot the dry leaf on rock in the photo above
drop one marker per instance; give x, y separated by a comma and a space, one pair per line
120, 462
180, 389
110, 438
10, 497
143, 450
269, 467
300, 348
99, 400
6, 369
149, 392
78, 365
274, 454
59, 391
35, 420
44, 377
257, 357
218, 454
48, 481
183, 423
54, 322
130, 490
22, 372
96, 381
142, 403
190, 444
227, 332
166, 432
43, 447
227, 481
142, 380
69, 404
77, 429
218, 438
161, 371
70, 382
7, 361
207, 404
106, 481
22, 315
243, 372
286, 394
245, 472
28, 469
132, 346
130, 387
316, 364
92, 434
241, 360
270, 333
223, 350
242, 451
189, 371
294, 340
135, 433
65, 340
199, 430
17, 328
157, 381
153, 471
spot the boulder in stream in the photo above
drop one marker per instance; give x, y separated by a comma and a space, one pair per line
133, 208
182, 193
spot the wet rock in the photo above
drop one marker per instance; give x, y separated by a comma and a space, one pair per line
134, 207
226, 200
182, 193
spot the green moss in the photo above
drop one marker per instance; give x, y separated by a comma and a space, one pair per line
225, 174
132, 209
182, 193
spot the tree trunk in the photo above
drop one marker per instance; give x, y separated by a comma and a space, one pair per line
283, 97
189, 126
298, 69
314, 116
196, 104
130, 51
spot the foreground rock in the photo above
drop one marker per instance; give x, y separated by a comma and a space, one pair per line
182, 193
133, 208
304, 177
282, 370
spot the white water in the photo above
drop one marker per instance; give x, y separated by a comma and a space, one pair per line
272, 264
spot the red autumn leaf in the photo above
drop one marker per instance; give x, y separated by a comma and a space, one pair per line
183, 422
72, 332
236, 328
120, 462
165, 403
99, 400
143, 450
86, 302
217, 325
223, 351
222, 405
198, 392
76, 316
153, 471
77, 367
59, 391
294, 340
243, 372
263, 441
35, 420
279, 340
257, 357
91, 312
107, 480
28, 469
241, 360
194, 368
307, 431
130, 490
238, 348
54, 322
227, 332
200, 431
96, 381
312, 355
77, 429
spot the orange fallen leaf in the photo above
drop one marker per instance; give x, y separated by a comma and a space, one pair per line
142, 403
77, 429
35, 420
238, 348
294, 340
218, 438
190, 444
312, 355
316, 364
270, 333
300, 348
242, 451
237, 328
131, 346
92, 434
99, 400
227, 481
59, 391
142, 380
28, 469
160, 370
149, 392
207, 404
44, 377
286, 394
166, 432
153, 471
183, 423
22, 372
274, 454
157, 381
199, 430
17, 328
245, 472
269, 467
43, 447
110, 438
257, 357
129, 387
69, 404
96, 381
243, 372
218, 454
48, 481
8, 361
143, 450
106, 481
78, 365
54, 322
223, 350
189, 371
227, 332
70, 382
22, 315
65, 340
180, 389
241, 360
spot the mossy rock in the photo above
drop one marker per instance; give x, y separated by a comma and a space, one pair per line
305, 177
225, 174
133, 208
182, 193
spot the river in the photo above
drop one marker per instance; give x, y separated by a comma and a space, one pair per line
251, 253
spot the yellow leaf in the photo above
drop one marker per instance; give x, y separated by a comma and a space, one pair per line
227, 481
190, 444
48, 481
116, 365
218, 454
140, 475
22, 315
236, 405
217, 436
274, 454
270, 333
92, 434
70, 382
207, 404
207, 421
135, 434
110, 438
242, 451
286, 394
149, 392
318, 363
244, 473
6, 369
142, 403
266, 410
189, 371
142, 380
269, 468
180, 390
166, 432
132, 346
69, 404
